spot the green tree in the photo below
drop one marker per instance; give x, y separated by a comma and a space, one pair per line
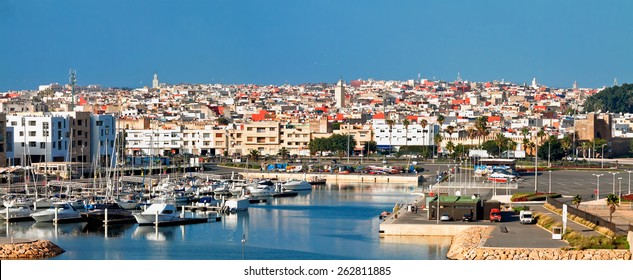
551, 148
406, 124
481, 125
283, 153
450, 147
577, 200
437, 139
616, 99
370, 147
613, 201
490, 146
254, 154
222, 121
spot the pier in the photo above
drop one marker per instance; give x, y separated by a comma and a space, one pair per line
334, 178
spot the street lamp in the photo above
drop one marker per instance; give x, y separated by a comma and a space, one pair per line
598, 185
620, 186
613, 173
602, 156
550, 180
629, 171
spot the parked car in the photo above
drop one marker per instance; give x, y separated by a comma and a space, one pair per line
495, 215
467, 218
445, 217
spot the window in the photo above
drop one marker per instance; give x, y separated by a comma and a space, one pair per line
79, 132
59, 125
45, 125
99, 123
32, 144
31, 133
54, 145
79, 122
272, 129
31, 123
21, 133
14, 123
42, 145
80, 143
261, 129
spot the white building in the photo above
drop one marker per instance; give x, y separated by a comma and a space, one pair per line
154, 142
38, 138
398, 136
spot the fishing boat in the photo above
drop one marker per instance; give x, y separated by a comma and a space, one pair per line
64, 211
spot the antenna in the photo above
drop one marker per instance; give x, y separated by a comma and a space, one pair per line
72, 80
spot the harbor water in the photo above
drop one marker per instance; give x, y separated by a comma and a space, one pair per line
328, 223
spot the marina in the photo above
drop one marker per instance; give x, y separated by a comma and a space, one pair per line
330, 222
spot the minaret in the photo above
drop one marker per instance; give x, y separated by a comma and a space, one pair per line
534, 83
339, 94
575, 85
155, 81
615, 81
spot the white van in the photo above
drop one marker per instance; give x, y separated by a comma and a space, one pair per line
526, 217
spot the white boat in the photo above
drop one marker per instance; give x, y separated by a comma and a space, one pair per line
297, 185
14, 200
261, 191
237, 204
166, 213
65, 211
127, 204
16, 212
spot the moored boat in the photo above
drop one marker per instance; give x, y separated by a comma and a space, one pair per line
115, 214
166, 212
297, 185
64, 211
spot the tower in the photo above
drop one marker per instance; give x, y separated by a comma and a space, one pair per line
534, 85
155, 81
575, 85
72, 80
339, 94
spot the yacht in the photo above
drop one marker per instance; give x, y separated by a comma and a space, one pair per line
165, 210
297, 185
261, 190
65, 211
16, 212
116, 214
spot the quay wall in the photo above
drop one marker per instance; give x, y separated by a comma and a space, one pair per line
339, 178
32, 249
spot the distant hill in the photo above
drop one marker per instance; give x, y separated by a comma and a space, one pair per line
616, 99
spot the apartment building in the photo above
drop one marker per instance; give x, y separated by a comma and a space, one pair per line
38, 137
363, 134
295, 138
154, 142
397, 135
264, 137
3, 140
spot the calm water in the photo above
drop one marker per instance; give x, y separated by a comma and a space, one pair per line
328, 223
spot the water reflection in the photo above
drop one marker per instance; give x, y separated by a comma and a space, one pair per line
152, 233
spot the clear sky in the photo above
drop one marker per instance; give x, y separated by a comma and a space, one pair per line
124, 42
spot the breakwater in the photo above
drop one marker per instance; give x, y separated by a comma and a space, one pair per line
467, 246
29, 249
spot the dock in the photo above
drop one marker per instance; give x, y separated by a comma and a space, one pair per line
183, 221
286, 194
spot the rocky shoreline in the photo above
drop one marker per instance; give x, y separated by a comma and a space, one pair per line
37, 249
467, 245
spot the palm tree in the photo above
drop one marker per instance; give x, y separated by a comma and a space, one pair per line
283, 153
500, 140
390, 123
423, 123
450, 129
472, 133
577, 199
584, 147
613, 201
406, 124
440, 121
254, 154
481, 125
437, 139
450, 147
526, 144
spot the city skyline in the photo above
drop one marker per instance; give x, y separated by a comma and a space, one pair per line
123, 43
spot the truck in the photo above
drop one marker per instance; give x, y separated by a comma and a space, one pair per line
495, 215
526, 217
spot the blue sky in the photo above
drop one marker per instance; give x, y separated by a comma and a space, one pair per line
124, 42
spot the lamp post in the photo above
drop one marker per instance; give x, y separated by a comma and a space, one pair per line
597, 185
620, 187
602, 157
629, 171
550, 180
613, 173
